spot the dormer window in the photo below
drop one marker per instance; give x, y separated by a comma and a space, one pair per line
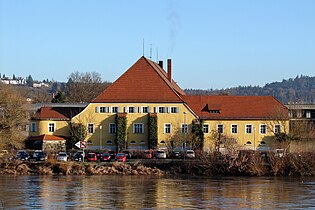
214, 111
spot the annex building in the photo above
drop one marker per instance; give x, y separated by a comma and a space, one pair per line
145, 108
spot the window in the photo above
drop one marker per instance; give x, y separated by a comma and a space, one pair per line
138, 128
262, 143
131, 109
263, 129
308, 114
248, 129
115, 109
51, 127
167, 128
220, 128
277, 129
205, 128
163, 109
234, 129
33, 127
90, 128
104, 109
174, 109
142, 142
184, 128
112, 128
145, 109
133, 142
109, 142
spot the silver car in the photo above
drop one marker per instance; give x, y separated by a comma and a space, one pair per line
62, 156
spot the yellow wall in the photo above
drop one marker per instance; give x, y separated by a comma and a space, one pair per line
61, 128
90, 115
241, 136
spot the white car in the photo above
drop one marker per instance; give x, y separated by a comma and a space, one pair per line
62, 156
161, 154
190, 154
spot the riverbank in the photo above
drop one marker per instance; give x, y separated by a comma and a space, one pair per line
213, 164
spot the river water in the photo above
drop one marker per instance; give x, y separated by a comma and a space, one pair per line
143, 192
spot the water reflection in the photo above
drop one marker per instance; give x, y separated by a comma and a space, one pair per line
141, 192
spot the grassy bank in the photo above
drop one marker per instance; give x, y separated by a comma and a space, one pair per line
213, 164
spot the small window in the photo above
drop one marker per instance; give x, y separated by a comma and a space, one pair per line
248, 143
112, 128
33, 127
277, 129
131, 109
115, 109
205, 128
109, 142
51, 127
184, 128
308, 114
262, 143
142, 142
104, 109
145, 109
163, 109
220, 128
167, 128
248, 129
138, 128
162, 142
174, 109
90, 128
234, 129
263, 129
133, 142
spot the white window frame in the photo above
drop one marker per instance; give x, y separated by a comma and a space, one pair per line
248, 128
162, 109
308, 114
131, 107
219, 125
261, 127
234, 130
103, 109
113, 109
90, 128
112, 130
170, 128
33, 127
184, 128
174, 109
277, 128
145, 107
51, 126
205, 128
138, 130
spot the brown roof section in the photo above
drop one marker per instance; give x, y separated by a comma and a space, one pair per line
236, 107
58, 113
46, 137
144, 81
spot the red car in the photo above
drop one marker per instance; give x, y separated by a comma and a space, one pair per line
91, 157
105, 157
121, 157
147, 154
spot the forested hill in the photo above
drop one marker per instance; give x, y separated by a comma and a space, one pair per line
301, 90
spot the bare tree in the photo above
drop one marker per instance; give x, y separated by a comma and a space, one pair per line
83, 87
13, 117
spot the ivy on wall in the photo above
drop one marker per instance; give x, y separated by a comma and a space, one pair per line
153, 131
121, 134
78, 132
198, 136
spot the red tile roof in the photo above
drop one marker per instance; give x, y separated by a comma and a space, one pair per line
145, 81
59, 113
236, 107
46, 137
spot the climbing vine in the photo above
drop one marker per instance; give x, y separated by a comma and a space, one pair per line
153, 131
78, 132
198, 136
121, 134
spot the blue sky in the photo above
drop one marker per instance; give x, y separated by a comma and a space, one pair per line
212, 44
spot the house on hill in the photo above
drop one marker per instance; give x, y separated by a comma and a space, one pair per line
145, 109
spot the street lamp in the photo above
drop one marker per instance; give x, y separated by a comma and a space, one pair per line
254, 138
101, 136
185, 131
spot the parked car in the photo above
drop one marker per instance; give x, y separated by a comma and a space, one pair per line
22, 155
189, 154
62, 156
147, 154
91, 157
121, 157
78, 156
175, 155
161, 154
128, 154
112, 154
39, 155
105, 157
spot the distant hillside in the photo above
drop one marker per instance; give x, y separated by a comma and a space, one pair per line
301, 89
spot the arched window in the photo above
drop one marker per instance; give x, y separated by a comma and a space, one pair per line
133, 142
142, 142
248, 143
109, 142
162, 142
262, 143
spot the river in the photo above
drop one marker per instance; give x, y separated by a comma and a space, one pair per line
144, 192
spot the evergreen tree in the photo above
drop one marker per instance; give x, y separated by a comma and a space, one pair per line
59, 98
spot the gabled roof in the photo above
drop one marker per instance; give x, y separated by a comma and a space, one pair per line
57, 113
46, 137
236, 107
144, 81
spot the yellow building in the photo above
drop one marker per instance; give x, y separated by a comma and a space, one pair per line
145, 108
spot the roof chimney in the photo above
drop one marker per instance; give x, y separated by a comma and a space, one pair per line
161, 64
169, 70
